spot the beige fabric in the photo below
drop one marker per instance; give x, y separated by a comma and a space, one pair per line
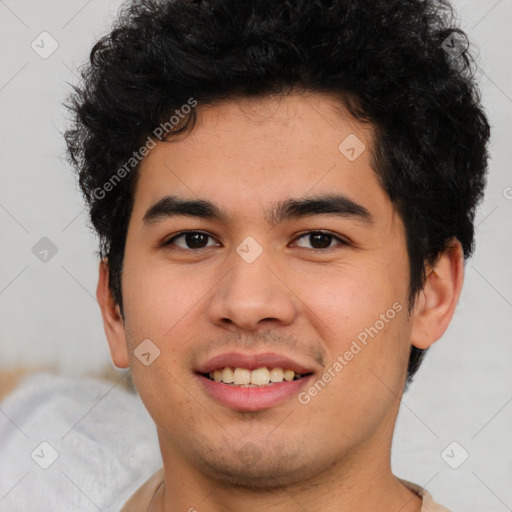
429, 505
140, 499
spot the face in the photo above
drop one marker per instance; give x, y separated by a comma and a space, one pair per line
319, 288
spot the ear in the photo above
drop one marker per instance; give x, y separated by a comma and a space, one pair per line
435, 305
112, 320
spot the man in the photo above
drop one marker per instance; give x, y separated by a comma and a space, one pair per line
284, 194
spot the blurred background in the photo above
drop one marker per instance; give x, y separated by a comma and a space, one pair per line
453, 432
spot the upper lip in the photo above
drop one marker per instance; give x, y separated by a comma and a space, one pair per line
251, 362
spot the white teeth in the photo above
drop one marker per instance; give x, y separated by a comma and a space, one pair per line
227, 375
259, 377
276, 375
288, 375
241, 376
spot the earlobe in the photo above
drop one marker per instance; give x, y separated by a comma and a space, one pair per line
437, 301
112, 319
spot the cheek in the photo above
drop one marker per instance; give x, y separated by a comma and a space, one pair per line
361, 314
351, 297
159, 297
163, 390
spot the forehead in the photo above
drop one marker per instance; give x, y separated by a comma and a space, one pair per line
243, 153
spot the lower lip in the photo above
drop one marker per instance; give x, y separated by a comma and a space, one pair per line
252, 398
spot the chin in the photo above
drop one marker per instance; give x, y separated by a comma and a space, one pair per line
265, 471
256, 479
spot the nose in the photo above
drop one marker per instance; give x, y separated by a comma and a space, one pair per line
252, 296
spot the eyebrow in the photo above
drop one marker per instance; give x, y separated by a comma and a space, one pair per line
294, 208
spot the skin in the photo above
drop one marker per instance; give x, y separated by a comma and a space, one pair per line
332, 454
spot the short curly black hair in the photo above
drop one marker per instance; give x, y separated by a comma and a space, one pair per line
401, 65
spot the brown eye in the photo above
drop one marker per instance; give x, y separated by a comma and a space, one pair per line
320, 239
190, 240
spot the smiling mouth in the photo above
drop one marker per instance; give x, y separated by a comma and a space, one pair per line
259, 377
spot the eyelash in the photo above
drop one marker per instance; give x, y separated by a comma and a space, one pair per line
308, 233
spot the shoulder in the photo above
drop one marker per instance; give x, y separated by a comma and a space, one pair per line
429, 505
141, 498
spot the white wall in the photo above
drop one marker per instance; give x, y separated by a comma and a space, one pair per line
49, 314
